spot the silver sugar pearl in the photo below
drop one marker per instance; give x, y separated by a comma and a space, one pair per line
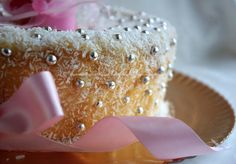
146, 25
99, 104
131, 58
142, 13
140, 110
126, 99
79, 30
150, 20
80, 83
173, 42
137, 27
48, 28
121, 20
145, 32
127, 29
167, 49
164, 90
170, 75
133, 17
93, 55
156, 102
118, 36
118, 26
161, 69
111, 84
81, 127
154, 50
170, 66
85, 36
148, 92
6, 52
163, 86
163, 25
51, 59
145, 79
157, 29
38, 36
141, 20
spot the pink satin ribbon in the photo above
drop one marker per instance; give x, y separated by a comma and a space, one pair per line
36, 107
58, 14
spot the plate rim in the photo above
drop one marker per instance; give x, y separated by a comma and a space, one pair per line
186, 76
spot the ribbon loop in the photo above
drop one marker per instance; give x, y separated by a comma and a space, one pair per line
34, 106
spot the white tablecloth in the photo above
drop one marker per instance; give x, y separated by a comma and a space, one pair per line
206, 49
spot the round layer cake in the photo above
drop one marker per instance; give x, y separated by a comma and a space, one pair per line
119, 70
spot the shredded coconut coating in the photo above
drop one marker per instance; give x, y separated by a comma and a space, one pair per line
72, 50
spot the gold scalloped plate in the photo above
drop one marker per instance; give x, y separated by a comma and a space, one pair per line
199, 106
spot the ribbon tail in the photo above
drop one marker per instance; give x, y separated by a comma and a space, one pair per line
165, 138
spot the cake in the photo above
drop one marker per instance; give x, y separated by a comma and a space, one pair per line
119, 68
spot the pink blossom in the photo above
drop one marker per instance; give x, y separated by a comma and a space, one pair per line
59, 14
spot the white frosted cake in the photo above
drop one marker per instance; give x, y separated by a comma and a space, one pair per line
119, 68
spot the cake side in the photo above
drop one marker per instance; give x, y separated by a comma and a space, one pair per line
119, 71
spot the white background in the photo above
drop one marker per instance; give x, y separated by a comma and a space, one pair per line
206, 49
